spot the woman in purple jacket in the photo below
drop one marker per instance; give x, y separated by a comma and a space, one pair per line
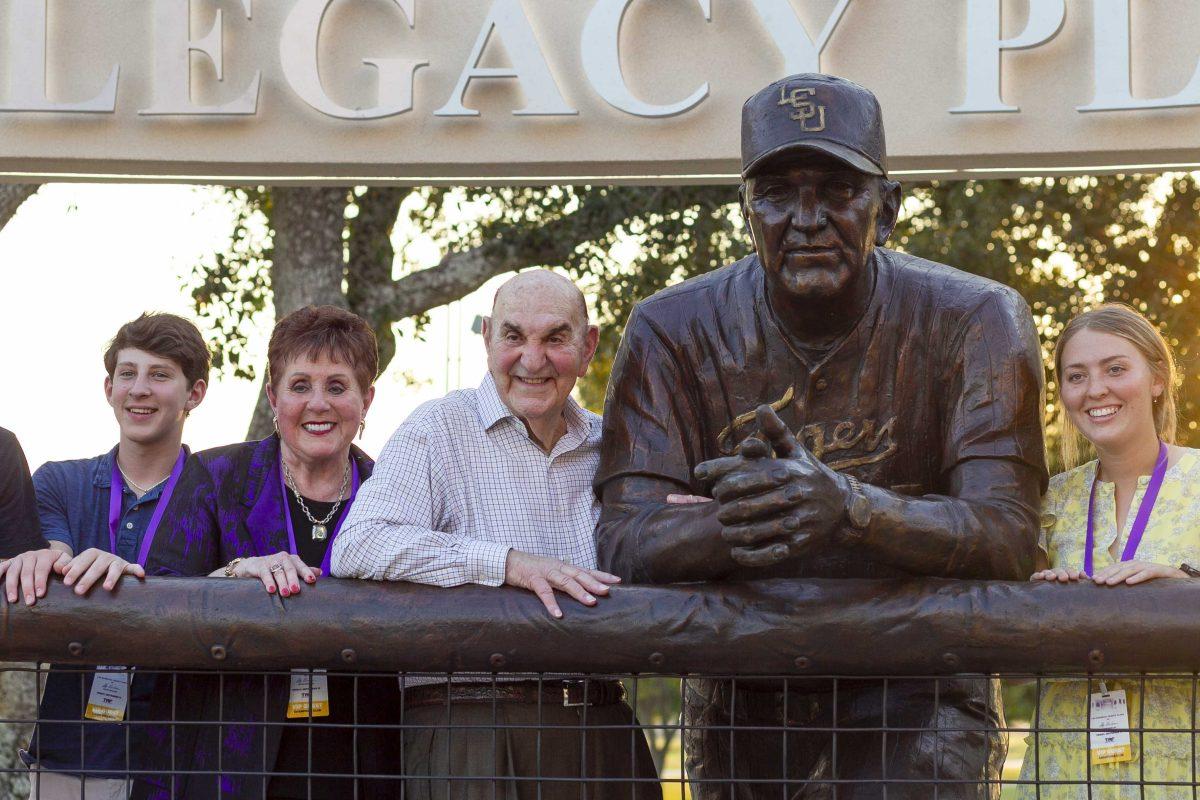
270, 511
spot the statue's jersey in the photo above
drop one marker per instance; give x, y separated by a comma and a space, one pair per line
942, 367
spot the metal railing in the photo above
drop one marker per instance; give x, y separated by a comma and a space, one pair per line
775, 689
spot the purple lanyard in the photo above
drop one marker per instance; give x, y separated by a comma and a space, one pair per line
1139, 521
114, 506
337, 526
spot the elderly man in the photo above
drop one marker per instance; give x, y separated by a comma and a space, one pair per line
896, 404
493, 486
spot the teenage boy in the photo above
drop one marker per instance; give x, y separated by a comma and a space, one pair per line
100, 516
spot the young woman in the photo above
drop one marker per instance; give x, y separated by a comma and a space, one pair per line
1126, 517
269, 511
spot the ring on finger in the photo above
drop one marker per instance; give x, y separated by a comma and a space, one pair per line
277, 567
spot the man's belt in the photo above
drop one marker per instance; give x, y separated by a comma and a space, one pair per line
565, 693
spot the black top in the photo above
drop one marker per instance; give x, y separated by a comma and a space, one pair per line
230, 503
19, 527
310, 550
332, 747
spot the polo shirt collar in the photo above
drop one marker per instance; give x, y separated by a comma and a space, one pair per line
102, 472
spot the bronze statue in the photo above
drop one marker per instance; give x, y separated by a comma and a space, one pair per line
851, 411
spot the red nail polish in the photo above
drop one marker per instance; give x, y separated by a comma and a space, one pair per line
270, 590
295, 588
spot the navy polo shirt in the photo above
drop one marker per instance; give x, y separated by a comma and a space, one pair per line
72, 499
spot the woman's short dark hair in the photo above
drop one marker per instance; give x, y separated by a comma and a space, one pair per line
165, 335
328, 331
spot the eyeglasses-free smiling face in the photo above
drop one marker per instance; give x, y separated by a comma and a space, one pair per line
538, 344
150, 396
1108, 389
319, 406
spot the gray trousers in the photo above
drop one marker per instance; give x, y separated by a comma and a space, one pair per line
516, 751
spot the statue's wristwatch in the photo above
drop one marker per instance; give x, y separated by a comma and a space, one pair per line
858, 507
1189, 570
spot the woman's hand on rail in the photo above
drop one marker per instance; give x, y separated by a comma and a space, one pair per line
1135, 572
1058, 574
280, 572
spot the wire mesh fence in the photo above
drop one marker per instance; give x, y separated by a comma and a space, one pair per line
319, 733
779, 690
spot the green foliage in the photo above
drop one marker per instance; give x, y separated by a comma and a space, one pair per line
232, 289
1069, 243
1063, 243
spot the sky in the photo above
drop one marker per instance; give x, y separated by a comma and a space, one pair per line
78, 260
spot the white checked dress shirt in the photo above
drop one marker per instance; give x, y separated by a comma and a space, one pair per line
460, 483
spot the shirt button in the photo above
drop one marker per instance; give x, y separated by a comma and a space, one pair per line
128, 526
822, 384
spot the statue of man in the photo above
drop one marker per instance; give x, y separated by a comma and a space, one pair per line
832, 409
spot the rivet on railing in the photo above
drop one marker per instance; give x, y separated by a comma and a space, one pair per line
75, 649
497, 660
218, 652
950, 660
1096, 657
803, 662
349, 656
657, 659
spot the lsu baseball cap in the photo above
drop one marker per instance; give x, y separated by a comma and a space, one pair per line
819, 112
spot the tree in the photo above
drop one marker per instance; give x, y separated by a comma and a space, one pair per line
335, 245
1063, 243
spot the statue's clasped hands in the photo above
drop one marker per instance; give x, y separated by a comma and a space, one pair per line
775, 498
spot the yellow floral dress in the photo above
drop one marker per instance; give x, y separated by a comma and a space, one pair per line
1172, 536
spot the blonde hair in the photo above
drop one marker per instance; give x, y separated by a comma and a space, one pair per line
1121, 320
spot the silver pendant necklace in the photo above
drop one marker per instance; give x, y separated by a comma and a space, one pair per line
319, 526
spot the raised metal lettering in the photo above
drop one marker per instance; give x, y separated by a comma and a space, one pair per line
984, 47
298, 56
173, 48
601, 52
507, 18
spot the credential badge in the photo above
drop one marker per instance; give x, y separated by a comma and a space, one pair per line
810, 115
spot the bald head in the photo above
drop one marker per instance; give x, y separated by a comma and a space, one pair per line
542, 288
539, 343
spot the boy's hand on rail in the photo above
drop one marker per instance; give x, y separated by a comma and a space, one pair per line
28, 573
91, 565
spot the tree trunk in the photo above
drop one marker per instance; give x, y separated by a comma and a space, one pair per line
308, 265
11, 197
371, 262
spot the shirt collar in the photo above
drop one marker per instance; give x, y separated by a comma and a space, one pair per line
102, 475
492, 409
